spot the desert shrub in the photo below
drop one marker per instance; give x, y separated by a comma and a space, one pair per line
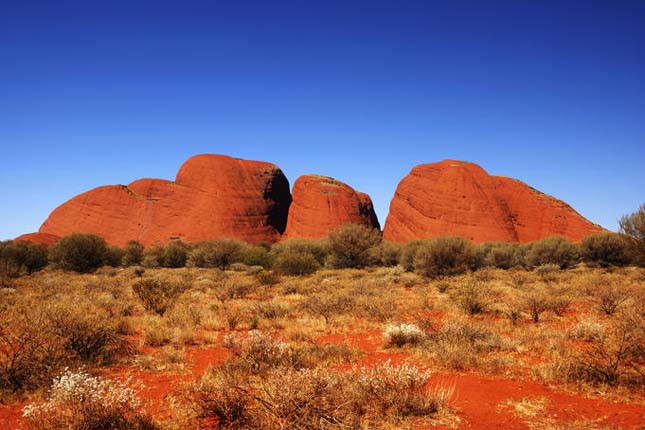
319, 249
268, 277
30, 354
547, 272
536, 302
219, 253
390, 253
259, 352
353, 245
502, 255
458, 343
402, 334
328, 304
472, 297
152, 257
613, 355
233, 288
443, 256
79, 252
114, 256
78, 401
632, 226
316, 398
257, 255
290, 263
551, 250
408, 252
133, 255
559, 300
17, 258
609, 296
605, 249
86, 332
158, 295
175, 254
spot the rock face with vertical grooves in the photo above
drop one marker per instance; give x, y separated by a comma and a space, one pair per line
456, 198
321, 203
212, 196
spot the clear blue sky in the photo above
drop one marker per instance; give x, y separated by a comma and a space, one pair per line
549, 92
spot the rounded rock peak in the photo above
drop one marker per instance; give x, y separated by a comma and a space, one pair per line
212, 171
460, 198
321, 203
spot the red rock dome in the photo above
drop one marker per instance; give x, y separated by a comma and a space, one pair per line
321, 203
213, 196
38, 238
456, 198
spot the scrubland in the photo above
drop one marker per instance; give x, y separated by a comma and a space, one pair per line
240, 346
341, 348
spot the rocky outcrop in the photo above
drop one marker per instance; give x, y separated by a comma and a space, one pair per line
457, 198
212, 196
38, 238
321, 203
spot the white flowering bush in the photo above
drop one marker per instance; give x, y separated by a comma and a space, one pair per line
78, 401
403, 333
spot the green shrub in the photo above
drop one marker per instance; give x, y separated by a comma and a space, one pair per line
133, 253
605, 249
153, 257
408, 252
258, 255
290, 263
79, 252
219, 253
114, 256
390, 253
175, 254
17, 258
551, 250
318, 249
352, 245
444, 256
502, 255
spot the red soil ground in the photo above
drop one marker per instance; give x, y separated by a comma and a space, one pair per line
480, 402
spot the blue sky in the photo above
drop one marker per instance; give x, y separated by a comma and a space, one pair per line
549, 92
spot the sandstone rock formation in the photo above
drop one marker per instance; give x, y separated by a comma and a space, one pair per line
321, 203
212, 196
39, 238
456, 198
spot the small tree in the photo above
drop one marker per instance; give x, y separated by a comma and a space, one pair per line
79, 252
353, 245
633, 227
